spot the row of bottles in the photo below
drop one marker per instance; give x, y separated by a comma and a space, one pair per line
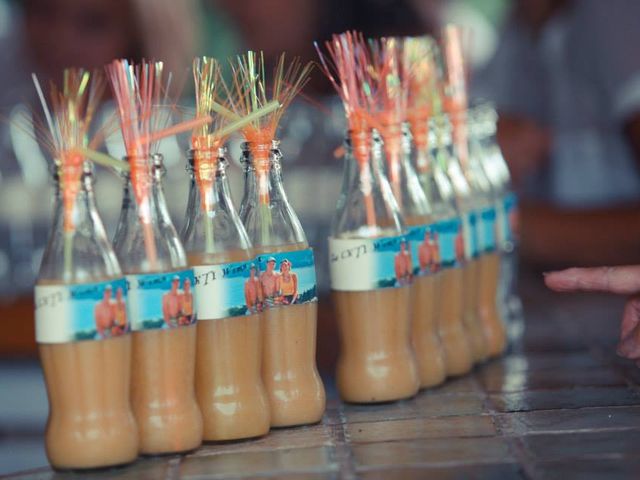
422, 224
148, 359
414, 334
165, 340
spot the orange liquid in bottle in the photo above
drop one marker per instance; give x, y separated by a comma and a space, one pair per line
229, 385
376, 362
491, 323
425, 339
295, 390
162, 390
90, 422
453, 334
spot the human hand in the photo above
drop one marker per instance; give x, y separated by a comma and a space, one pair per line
619, 280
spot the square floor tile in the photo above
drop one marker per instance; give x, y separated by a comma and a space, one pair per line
566, 398
583, 419
464, 426
432, 451
306, 436
578, 445
508, 381
475, 472
585, 469
269, 462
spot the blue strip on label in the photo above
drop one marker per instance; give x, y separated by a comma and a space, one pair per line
470, 232
285, 278
486, 230
91, 311
511, 217
161, 300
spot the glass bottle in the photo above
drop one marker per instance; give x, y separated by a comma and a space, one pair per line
287, 278
470, 201
434, 176
422, 239
161, 310
486, 227
84, 344
229, 385
507, 217
370, 281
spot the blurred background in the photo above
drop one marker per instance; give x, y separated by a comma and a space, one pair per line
564, 76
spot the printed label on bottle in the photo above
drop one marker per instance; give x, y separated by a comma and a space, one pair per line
161, 300
284, 278
470, 232
501, 234
227, 290
436, 246
450, 239
369, 264
486, 226
90, 311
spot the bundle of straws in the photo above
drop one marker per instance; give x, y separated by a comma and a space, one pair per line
251, 90
388, 81
348, 66
69, 121
213, 95
140, 92
454, 88
422, 82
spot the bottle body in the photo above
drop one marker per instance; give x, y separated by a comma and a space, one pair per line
468, 204
296, 395
87, 372
90, 421
432, 169
163, 321
162, 390
295, 390
471, 277
376, 362
371, 272
229, 386
229, 383
422, 241
425, 304
491, 171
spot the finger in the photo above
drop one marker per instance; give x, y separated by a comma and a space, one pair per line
630, 318
622, 280
630, 346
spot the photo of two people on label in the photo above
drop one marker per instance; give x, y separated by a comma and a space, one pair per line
428, 259
177, 304
271, 288
110, 314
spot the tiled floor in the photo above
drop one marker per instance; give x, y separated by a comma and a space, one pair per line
560, 405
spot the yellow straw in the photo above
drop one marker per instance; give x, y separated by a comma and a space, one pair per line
225, 112
260, 112
103, 159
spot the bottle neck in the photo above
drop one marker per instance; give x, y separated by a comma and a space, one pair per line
145, 239
212, 225
265, 210
412, 199
78, 249
366, 207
